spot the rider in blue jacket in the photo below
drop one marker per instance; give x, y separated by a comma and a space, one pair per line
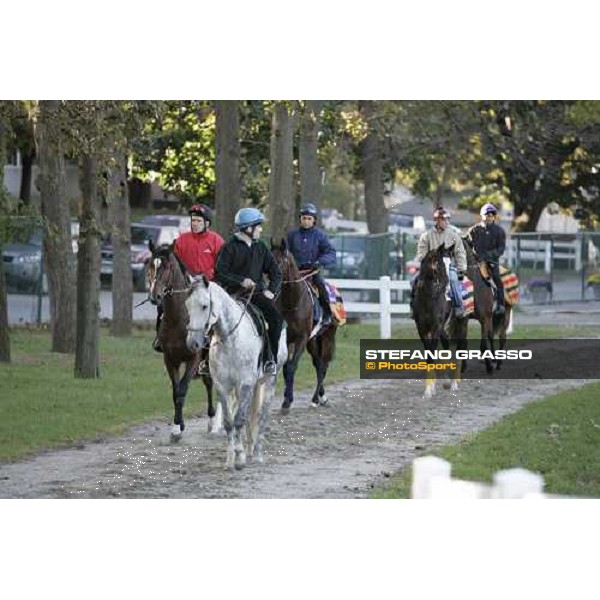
312, 250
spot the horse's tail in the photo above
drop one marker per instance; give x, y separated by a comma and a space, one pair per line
328, 344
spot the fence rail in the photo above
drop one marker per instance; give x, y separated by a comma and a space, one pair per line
385, 307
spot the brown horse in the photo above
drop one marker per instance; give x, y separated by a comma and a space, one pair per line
169, 289
483, 297
433, 312
295, 302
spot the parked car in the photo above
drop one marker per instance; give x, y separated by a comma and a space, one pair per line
350, 257
141, 234
22, 262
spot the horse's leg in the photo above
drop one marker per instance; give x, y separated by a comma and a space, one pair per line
502, 331
254, 433
289, 373
245, 394
315, 349
328, 350
178, 424
430, 344
484, 345
226, 400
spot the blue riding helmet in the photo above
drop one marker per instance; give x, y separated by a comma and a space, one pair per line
248, 217
488, 209
309, 209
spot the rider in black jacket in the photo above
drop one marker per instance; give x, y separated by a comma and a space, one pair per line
489, 242
240, 267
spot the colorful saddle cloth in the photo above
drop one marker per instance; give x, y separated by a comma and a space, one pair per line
336, 303
510, 281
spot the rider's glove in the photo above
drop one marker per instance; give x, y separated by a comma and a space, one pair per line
247, 283
269, 294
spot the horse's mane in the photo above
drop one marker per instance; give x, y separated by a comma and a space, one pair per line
167, 250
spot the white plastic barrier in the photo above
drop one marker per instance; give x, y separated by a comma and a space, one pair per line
431, 480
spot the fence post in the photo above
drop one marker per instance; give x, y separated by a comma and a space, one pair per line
385, 301
423, 469
516, 483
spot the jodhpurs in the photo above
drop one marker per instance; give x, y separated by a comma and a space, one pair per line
273, 319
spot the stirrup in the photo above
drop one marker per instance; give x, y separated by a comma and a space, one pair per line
500, 309
270, 368
203, 369
156, 345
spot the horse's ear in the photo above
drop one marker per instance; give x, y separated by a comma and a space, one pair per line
283, 244
151, 246
205, 280
441, 248
273, 244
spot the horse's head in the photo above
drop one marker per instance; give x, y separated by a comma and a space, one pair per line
432, 265
285, 260
165, 273
202, 317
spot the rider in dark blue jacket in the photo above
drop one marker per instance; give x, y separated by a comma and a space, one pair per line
312, 249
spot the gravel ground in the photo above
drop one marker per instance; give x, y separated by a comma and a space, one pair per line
367, 431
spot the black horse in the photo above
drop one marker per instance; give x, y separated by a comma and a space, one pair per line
492, 324
169, 289
296, 305
433, 313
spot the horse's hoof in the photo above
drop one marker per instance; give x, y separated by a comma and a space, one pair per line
176, 432
240, 460
175, 438
324, 400
314, 403
446, 385
285, 407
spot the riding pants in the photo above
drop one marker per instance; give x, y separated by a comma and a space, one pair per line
455, 287
273, 318
323, 294
495, 271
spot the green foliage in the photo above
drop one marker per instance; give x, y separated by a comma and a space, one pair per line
177, 149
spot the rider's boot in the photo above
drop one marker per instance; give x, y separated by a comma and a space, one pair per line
156, 345
500, 310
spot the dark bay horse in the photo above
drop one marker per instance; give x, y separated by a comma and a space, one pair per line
295, 304
483, 297
432, 311
169, 288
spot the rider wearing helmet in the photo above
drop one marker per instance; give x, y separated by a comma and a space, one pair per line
197, 249
440, 234
312, 250
240, 267
489, 242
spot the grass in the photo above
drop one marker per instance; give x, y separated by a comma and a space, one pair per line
43, 406
557, 437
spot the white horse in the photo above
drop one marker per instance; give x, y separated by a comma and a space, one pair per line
243, 390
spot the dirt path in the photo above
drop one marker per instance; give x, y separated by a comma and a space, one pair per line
368, 430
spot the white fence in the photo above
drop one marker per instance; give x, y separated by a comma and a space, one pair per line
542, 252
385, 308
431, 480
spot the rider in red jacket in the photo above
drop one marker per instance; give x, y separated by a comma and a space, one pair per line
197, 249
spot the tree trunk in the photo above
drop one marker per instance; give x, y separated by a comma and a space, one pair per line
372, 166
87, 363
58, 250
26, 173
310, 172
228, 181
281, 181
4, 334
122, 285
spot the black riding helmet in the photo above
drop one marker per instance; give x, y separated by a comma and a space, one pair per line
201, 210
